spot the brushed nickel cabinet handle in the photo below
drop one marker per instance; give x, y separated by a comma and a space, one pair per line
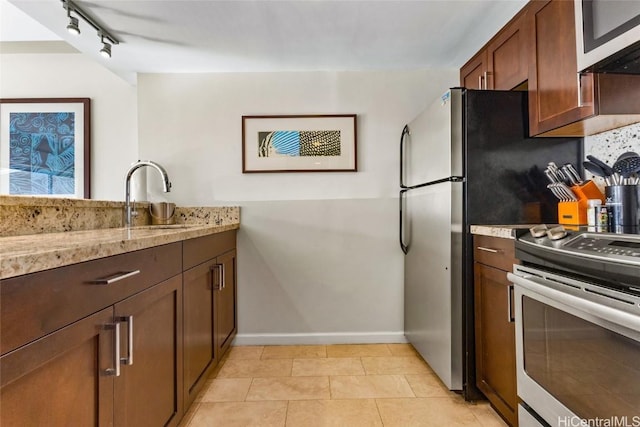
115, 371
116, 277
219, 269
493, 251
579, 89
480, 78
129, 359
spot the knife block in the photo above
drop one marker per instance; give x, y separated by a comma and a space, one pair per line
575, 213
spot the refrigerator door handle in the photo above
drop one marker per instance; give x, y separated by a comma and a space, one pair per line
403, 246
405, 132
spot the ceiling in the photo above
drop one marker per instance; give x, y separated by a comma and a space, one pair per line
176, 36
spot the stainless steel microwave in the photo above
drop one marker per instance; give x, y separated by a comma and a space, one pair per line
608, 35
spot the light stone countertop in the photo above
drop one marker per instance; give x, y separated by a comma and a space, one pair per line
502, 231
31, 253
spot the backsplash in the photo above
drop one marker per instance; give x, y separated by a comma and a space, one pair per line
21, 215
608, 146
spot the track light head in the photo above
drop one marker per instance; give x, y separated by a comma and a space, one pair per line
106, 49
73, 25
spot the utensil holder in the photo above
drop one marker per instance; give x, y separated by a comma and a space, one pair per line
623, 207
162, 213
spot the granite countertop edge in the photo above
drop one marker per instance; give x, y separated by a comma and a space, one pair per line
508, 231
26, 254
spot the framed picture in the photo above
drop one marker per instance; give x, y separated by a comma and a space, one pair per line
319, 143
45, 146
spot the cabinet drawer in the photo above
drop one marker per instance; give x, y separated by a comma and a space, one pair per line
36, 304
201, 249
494, 251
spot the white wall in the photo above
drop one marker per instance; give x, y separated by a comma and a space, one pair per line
318, 254
114, 144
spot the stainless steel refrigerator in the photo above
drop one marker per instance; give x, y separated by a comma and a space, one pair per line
465, 160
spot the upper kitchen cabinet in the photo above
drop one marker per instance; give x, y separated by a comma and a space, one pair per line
563, 102
502, 63
473, 74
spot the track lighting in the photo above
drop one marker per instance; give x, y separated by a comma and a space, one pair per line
106, 38
106, 48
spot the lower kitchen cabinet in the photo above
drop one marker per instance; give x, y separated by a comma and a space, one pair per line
209, 306
60, 380
494, 324
127, 340
148, 391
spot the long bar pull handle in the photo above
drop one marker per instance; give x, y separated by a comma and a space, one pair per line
493, 251
579, 90
129, 359
220, 276
485, 79
480, 78
116, 277
403, 246
223, 283
405, 132
510, 317
115, 371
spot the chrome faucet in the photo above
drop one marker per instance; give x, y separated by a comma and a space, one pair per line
127, 186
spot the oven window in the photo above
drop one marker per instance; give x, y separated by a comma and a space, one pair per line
593, 371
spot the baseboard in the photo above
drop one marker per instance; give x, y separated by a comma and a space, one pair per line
321, 338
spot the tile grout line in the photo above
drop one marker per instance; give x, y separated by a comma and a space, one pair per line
379, 413
286, 414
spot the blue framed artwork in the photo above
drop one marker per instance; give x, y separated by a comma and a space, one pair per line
311, 143
45, 146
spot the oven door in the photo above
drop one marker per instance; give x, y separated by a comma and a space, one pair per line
577, 349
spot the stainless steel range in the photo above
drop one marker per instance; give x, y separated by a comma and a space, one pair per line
577, 299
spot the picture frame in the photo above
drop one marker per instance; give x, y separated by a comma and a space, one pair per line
45, 146
299, 143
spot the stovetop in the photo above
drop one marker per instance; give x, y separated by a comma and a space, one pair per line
620, 248
610, 259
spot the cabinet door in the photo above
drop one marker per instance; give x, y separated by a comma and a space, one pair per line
61, 379
507, 65
495, 339
149, 390
226, 302
558, 94
199, 338
473, 74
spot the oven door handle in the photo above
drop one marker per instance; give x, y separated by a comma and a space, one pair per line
510, 317
617, 320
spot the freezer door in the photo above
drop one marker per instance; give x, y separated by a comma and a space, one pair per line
433, 145
433, 278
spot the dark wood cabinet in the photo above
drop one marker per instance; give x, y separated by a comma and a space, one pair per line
226, 302
149, 388
61, 379
209, 306
558, 94
474, 74
61, 362
494, 324
126, 340
563, 101
507, 66
502, 63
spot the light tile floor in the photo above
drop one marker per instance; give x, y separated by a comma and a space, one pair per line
332, 385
